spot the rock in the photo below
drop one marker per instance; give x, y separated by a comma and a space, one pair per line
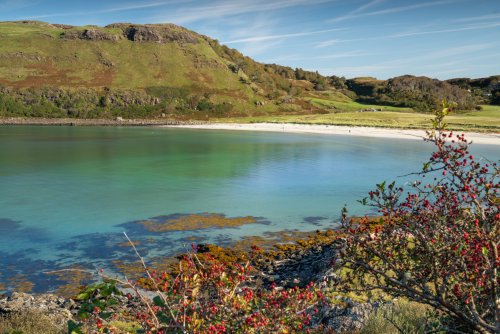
349, 319
159, 33
303, 266
91, 35
54, 307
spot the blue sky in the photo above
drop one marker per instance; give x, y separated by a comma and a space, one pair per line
381, 38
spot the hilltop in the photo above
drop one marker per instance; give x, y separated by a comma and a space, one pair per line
167, 71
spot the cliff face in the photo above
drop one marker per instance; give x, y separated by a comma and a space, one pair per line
158, 33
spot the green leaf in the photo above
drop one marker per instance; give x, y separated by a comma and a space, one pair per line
105, 315
163, 318
485, 251
82, 296
381, 186
158, 301
83, 315
363, 201
113, 301
106, 291
74, 328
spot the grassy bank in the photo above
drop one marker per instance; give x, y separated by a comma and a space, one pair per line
485, 120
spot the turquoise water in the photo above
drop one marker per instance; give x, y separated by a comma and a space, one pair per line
67, 193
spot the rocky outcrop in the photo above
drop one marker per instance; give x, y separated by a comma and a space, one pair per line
90, 35
303, 265
346, 319
158, 33
58, 309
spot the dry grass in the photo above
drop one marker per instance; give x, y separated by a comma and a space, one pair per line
29, 322
409, 317
486, 120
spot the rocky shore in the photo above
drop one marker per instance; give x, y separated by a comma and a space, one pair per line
94, 122
297, 266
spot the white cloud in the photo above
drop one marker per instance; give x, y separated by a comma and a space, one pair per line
328, 43
225, 8
353, 71
297, 57
282, 36
414, 32
112, 9
478, 18
356, 13
439, 31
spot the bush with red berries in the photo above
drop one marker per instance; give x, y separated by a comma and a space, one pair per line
438, 242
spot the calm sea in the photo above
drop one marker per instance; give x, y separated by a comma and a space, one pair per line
67, 193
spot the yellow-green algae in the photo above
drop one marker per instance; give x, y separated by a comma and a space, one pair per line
19, 283
196, 222
74, 279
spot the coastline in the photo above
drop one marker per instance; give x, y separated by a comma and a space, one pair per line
390, 133
92, 122
359, 131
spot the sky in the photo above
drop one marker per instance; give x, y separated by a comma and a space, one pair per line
381, 38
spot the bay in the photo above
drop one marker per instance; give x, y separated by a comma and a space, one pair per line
67, 193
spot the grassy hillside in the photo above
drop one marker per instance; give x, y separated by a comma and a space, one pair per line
166, 66
166, 71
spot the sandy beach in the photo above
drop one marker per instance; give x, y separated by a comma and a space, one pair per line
478, 138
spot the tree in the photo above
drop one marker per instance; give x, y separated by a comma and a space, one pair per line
437, 243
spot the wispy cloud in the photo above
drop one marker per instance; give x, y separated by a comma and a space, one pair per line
122, 8
364, 7
454, 71
344, 55
327, 43
352, 71
359, 11
415, 32
447, 61
282, 36
225, 8
9, 5
256, 49
339, 55
478, 18
440, 31
450, 54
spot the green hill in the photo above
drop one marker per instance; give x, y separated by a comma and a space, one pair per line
135, 70
163, 70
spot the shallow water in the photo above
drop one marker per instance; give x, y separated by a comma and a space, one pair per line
67, 193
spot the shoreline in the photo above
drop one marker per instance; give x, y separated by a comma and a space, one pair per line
357, 131
323, 129
12, 121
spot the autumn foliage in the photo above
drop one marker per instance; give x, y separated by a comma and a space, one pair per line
208, 296
438, 241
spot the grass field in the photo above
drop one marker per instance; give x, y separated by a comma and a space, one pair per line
337, 101
486, 120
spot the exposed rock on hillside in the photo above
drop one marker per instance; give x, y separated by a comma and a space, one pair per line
159, 33
91, 35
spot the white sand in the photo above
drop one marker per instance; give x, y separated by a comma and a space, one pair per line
478, 138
